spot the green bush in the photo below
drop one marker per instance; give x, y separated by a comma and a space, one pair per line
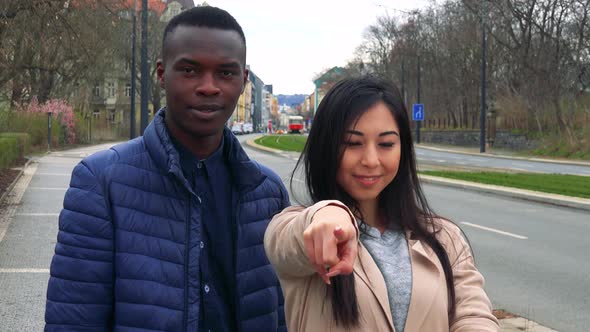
24, 142
35, 124
8, 151
81, 128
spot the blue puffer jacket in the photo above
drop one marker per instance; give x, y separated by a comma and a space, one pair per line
127, 254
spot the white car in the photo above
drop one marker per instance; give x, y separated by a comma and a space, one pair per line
237, 129
247, 128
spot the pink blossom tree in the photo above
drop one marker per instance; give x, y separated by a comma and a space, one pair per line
60, 110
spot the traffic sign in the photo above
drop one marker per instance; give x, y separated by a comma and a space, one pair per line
418, 112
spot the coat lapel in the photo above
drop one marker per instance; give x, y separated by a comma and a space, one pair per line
425, 283
370, 274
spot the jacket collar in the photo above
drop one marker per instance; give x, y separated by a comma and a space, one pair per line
246, 174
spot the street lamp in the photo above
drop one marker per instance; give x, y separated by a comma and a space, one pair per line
144, 66
482, 116
133, 72
48, 131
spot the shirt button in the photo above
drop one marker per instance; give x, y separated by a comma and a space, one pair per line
206, 288
202, 244
199, 165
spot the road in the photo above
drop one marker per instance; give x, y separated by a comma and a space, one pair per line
534, 256
444, 158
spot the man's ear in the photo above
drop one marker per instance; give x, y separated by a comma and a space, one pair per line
160, 71
246, 74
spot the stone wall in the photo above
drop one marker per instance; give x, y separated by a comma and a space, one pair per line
503, 139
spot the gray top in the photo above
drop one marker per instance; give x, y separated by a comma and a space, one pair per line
390, 252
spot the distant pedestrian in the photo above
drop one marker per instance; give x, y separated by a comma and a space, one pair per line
164, 232
368, 254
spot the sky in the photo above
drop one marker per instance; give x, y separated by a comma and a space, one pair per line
291, 41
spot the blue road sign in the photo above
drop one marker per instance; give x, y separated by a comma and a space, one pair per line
418, 112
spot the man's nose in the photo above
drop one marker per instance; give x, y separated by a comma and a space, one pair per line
207, 86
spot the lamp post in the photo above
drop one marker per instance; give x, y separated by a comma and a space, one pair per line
403, 83
482, 116
133, 72
48, 131
144, 66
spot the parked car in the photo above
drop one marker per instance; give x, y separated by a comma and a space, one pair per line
247, 128
237, 128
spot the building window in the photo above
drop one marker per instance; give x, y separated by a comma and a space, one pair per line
96, 113
110, 89
112, 115
128, 90
96, 90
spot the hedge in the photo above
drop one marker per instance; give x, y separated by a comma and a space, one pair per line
8, 151
24, 142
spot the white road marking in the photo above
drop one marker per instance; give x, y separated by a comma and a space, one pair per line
495, 230
24, 270
38, 214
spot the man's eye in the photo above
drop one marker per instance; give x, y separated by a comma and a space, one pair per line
188, 70
227, 73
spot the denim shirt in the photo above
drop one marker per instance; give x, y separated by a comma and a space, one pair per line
211, 181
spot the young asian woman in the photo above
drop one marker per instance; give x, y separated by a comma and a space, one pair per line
369, 254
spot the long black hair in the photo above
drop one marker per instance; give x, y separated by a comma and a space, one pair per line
401, 202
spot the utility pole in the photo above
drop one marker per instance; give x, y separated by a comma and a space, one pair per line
418, 102
482, 116
144, 65
133, 71
403, 83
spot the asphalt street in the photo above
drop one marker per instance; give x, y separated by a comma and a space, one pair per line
445, 158
534, 256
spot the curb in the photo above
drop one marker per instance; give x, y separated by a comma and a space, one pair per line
518, 324
528, 195
252, 144
9, 189
487, 154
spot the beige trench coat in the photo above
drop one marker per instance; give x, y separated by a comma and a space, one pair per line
308, 309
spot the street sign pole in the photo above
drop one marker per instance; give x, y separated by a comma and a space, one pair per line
418, 101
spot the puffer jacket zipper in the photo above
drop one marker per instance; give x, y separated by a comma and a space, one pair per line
237, 249
186, 256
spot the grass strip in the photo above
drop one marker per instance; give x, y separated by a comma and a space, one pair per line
568, 185
283, 142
